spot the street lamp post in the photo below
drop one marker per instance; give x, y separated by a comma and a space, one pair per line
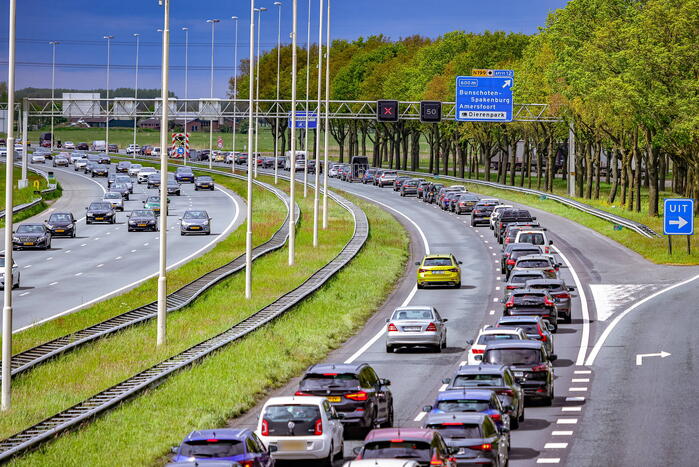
235, 88
327, 121
257, 84
292, 178
211, 122
248, 233
276, 120
308, 77
316, 175
53, 45
186, 85
109, 57
135, 95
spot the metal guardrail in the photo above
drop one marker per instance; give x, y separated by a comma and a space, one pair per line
637, 227
111, 397
176, 300
31, 204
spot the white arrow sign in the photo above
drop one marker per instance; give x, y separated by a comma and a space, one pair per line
680, 222
661, 354
508, 82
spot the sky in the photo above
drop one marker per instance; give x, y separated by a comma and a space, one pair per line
80, 26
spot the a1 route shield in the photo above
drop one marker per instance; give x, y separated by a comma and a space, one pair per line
484, 99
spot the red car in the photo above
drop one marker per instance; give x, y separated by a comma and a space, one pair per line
424, 445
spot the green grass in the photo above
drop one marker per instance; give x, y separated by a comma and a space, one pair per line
93, 368
26, 195
232, 381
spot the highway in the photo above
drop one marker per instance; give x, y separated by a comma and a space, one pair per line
106, 260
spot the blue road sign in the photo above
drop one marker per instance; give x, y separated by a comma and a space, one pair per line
301, 120
678, 218
484, 99
180, 150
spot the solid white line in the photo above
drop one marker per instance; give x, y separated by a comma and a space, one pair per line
585, 335
580, 380
562, 433
555, 445
548, 460
583, 372
571, 409
420, 416
608, 330
567, 421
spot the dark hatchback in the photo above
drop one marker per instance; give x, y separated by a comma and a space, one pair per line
61, 224
153, 181
465, 203
424, 446
512, 252
123, 167
184, 174
31, 236
533, 326
193, 222
99, 211
560, 292
529, 302
122, 189
530, 363
203, 182
481, 213
474, 438
354, 390
409, 187
99, 170
421, 189
230, 444
142, 220
399, 182
173, 188
509, 216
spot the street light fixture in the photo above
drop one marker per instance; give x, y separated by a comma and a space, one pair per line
257, 84
186, 85
109, 57
211, 122
235, 88
135, 95
276, 120
53, 45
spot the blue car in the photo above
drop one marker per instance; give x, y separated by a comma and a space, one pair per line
184, 174
226, 444
470, 400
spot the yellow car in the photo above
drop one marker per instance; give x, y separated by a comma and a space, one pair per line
439, 270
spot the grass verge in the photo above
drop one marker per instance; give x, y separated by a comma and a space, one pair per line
26, 195
232, 381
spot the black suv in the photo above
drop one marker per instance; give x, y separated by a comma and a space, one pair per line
509, 216
354, 390
481, 213
530, 363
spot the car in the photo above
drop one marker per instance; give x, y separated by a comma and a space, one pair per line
513, 252
123, 167
113, 147
423, 445
496, 378
531, 365
431, 193
509, 216
387, 178
38, 159
490, 334
381, 463
110, 179
184, 174
133, 149
481, 213
142, 220
465, 202
519, 278
153, 203
125, 180
421, 188
560, 292
449, 200
143, 173
369, 176
409, 187
15, 273
398, 182
31, 236
153, 180
474, 437
512, 229
241, 158
80, 164
99, 170
146, 150
332, 171
89, 166
230, 158
69, 145
535, 237
82, 146
439, 270
203, 182
155, 151
60, 161
534, 326
354, 390
173, 188
195, 221
543, 263
74, 156
443, 192
61, 224
526, 302
100, 211
470, 400
122, 189
497, 210
231, 444
115, 199
301, 427
416, 326
134, 169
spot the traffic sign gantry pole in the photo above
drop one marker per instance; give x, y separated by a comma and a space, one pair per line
251, 96
316, 175
292, 179
162, 273
327, 120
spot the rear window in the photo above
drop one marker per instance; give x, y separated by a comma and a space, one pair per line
535, 238
533, 263
458, 430
529, 299
212, 448
513, 356
437, 262
522, 278
527, 328
545, 286
292, 412
486, 339
412, 314
329, 381
472, 381
519, 253
463, 405
403, 449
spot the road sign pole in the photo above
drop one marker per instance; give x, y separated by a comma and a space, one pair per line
316, 175
292, 178
689, 245
669, 244
571, 160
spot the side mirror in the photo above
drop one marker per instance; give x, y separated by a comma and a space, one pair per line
550, 326
571, 288
550, 242
273, 448
469, 341
427, 408
533, 218
417, 263
444, 320
461, 262
504, 429
174, 449
553, 357
502, 300
357, 450
388, 320
179, 218
386, 382
446, 381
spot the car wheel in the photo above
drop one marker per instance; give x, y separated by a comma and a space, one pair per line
88, 222
389, 348
514, 423
521, 416
420, 286
328, 461
129, 229
458, 285
568, 318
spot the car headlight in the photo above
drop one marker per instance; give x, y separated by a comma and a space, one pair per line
50, 226
15, 239
132, 222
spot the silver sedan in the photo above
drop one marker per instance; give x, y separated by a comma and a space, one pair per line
15, 273
416, 326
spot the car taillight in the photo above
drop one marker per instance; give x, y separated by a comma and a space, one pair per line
357, 396
453, 270
563, 296
246, 463
511, 287
510, 303
478, 351
496, 417
421, 271
506, 392
431, 327
436, 461
301, 393
265, 428
541, 334
318, 430
482, 447
511, 262
539, 368
548, 302
392, 328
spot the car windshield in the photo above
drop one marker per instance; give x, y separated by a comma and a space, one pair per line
535, 238
122, 179
486, 339
329, 381
142, 213
463, 405
195, 215
437, 262
30, 229
458, 430
148, 169
204, 178
412, 314
513, 356
153, 199
100, 206
154, 176
182, 170
212, 448
112, 195
545, 286
533, 263
397, 449
292, 412
467, 381
60, 217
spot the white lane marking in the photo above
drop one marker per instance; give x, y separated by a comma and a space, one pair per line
68, 251
496, 261
78, 274
497, 288
100, 265
577, 389
486, 241
84, 244
53, 283
496, 300
463, 363
498, 278
23, 294
128, 286
548, 460
567, 421
575, 399
580, 380
481, 235
562, 433
582, 372
585, 335
27, 266
109, 233
608, 330
490, 247
96, 238
493, 254
420, 416
443, 387
49, 258
555, 445
571, 409
104, 190
612, 297
492, 312
146, 244
133, 251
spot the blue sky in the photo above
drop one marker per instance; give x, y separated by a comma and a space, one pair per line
81, 24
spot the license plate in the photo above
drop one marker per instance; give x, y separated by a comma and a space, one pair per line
141, 225
60, 230
99, 218
28, 243
438, 272
195, 227
334, 398
519, 374
411, 328
291, 445
205, 186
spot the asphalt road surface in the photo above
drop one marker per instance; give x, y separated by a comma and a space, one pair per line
104, 259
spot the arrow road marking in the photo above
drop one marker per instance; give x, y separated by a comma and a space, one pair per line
661, 354
680, 222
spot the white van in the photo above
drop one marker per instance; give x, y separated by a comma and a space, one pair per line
99, 145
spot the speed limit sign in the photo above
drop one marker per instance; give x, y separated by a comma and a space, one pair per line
430, 111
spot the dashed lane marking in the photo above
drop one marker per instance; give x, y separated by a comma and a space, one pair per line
578, 389
27, 266
23, 294
420, 416
443, 387
571, 409
555, 445
133, 251
567, 421
53, 283
562, 433
100, 265
49, 258
78, 274
68, 251
582, 372
84, 244
575, 399
492, 312
548, 460
580, 380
